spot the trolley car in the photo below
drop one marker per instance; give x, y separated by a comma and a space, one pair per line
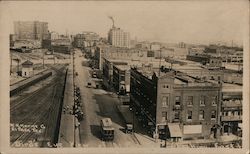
107, 130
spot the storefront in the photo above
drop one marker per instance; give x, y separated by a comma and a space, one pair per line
192, 131
174, 132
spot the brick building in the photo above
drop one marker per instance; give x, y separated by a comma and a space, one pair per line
121, 79
176, 105
108, 70
231, 109
85, 39
34, 30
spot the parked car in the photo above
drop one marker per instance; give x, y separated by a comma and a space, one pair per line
89, 85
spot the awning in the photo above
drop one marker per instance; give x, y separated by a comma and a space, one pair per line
192, 129
174, 130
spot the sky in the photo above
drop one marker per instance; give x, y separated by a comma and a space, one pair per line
165, 21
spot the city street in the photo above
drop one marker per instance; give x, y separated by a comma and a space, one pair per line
98, 104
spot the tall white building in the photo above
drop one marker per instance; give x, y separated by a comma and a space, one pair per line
118, 37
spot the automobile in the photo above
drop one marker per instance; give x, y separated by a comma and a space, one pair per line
89, 85
129, 128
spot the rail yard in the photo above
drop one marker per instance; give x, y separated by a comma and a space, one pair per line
35, 111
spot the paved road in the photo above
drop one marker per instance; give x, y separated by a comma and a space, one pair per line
98, 104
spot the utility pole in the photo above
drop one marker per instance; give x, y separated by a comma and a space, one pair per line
43, 59
10, 62
17, 65
160, 64
74, 99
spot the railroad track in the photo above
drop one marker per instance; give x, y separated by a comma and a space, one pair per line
47, 115
15, 104
38, 114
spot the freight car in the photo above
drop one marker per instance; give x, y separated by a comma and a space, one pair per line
19, 86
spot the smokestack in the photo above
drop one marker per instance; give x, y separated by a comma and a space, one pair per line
110, 17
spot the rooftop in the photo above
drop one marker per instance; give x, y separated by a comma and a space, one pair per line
180, 79
228, 87
27, 62
123, 67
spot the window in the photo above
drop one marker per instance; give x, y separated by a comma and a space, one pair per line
201, 114
214, 100
189, 115
190, 100
164, 116
164, 101
165, 86
122, 78
177, 115
178, 100
202, 101
213, 114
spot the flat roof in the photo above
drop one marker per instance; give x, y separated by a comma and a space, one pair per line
228, 87
180, 79
123, 67
106, 122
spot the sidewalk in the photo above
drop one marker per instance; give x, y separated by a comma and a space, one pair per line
147, 141
68, 134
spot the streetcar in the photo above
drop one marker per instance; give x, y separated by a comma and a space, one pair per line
107, 130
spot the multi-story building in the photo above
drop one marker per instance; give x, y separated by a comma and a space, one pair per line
155, 46
196, 70
108, 67
110, 52
62, 45
207, 60
85, 39
54, 36
12, 39
176, 104
34, 30
231, 109
182, 45
118, 38
27, 44
121, 79
237, 57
